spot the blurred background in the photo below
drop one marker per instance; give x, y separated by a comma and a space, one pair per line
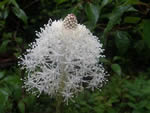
123, 26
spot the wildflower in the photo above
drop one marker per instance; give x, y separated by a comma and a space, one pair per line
63, 60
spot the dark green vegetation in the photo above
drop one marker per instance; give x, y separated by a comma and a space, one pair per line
122, 25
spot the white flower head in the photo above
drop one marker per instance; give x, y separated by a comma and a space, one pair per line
63, 60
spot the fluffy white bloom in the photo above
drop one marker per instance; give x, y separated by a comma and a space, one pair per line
63, 60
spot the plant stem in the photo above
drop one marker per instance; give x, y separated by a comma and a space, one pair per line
59, 98
59, 106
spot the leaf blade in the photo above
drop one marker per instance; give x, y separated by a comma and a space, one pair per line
20, 14
92, 12
116, 68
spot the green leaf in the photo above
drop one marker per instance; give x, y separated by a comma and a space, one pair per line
2, 3
2, 74
117, 58
139, 46
105, 61
92, 12
132, 2
12, 80
14, 83
14, 3
132, 9
20, 14
7, 35
132, 105
142, 103
146, 32
19, 40
5, 13
148, 106
122, 41
21, 107
2, 24
105, 2
130, 19
3, 99
60, 1
116, 68
3, 46
115, 17
130, 97
29, 101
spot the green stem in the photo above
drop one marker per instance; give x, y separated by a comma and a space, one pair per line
59, 98
59, 106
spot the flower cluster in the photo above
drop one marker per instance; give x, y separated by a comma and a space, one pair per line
63, 60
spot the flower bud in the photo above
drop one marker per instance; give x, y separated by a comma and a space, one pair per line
70, 21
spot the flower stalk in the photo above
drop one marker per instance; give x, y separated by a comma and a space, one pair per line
59, 98
59, 104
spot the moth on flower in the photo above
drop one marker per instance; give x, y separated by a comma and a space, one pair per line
64, 57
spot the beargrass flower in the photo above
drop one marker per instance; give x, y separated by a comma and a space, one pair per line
63, 60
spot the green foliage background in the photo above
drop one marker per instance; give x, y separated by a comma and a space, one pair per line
122, 25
